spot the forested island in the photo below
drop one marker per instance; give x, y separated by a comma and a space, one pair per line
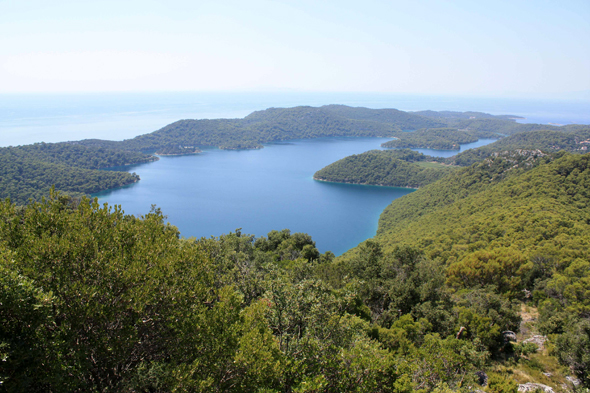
478, 281
432, 138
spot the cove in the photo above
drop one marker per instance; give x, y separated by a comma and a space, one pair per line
218, 191
449, 153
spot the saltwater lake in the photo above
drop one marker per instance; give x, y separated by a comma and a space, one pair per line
219, 191
258, 190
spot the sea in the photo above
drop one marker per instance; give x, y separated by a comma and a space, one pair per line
218, 191
31, 118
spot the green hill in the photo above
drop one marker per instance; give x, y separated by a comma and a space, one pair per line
432, 138
393, 168
516, 225
576, 140
29, 172
277, 124
92, 299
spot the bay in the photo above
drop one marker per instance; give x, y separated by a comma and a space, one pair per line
449, 153
218, 191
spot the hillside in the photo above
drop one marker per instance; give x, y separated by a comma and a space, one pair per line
432, 138
576, 140
29, 172
393, 168
93, 299
277, 124
516, 221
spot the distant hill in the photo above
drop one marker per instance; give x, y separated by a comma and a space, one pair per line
278, 124
432, 138
464, 115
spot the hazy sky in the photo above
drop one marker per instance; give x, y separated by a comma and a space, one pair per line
496, 48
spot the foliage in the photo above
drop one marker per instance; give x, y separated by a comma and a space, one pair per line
432, 138
545, 140
378, 167
92, 299
28, 172
573, 349
517, 220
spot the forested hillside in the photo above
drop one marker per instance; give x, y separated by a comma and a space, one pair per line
277, 124
378, 168
433, 138
393, 168
29, 172
515, 225
576, 140
96, 300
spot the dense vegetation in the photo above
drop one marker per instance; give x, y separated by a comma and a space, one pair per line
577, 140
432, 138
92, 299
28, 172
394, 168
384, 168
275, 124
516, 221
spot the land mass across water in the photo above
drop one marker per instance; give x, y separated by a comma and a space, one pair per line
77, 167
478, 280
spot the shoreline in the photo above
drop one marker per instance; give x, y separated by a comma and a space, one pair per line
363, 184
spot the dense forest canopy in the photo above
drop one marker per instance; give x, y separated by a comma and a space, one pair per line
393, 168
28, 172
576, 140
432, 138
93, 299
377, 167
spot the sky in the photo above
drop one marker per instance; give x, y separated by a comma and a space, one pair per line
500, 48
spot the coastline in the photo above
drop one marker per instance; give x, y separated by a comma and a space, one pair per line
363, 184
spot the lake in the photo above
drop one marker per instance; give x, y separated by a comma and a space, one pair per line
219, 191
258, 190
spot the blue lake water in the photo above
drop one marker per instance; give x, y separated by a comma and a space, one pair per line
219, 191
450, 153
259, 190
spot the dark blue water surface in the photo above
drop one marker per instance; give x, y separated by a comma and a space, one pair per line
219, 191
450, 153
258, 190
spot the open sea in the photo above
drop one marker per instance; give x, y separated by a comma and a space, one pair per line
30, 118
